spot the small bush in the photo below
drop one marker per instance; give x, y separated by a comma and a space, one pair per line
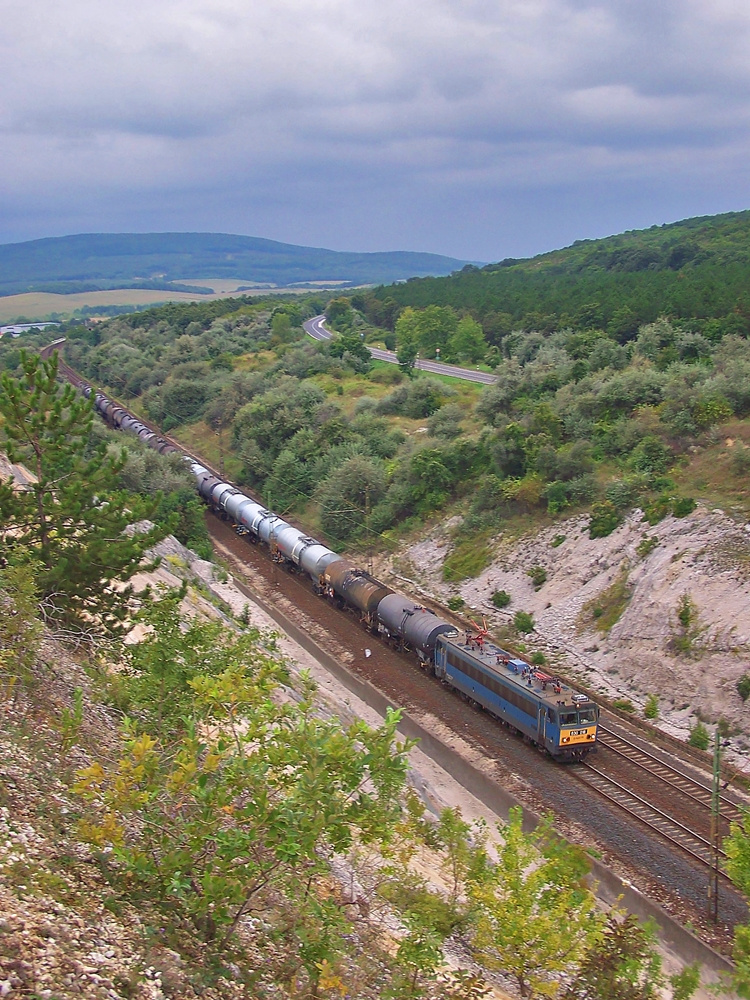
682, 506
604, 520
699, 736
538, 659
608, 607
743, 687
558, 540
651, 708
624, 704
501, 598
739, 461
646, 545
538, 575
523, 622
686, 611
455, 603
658, 509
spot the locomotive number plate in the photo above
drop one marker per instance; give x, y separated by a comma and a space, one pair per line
578, 732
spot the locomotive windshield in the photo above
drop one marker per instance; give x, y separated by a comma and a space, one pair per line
583, 716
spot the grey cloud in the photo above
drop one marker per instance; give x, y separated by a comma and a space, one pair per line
334, 99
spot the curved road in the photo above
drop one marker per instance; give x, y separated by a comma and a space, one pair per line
316, 329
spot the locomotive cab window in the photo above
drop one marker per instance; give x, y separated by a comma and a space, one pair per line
568, 718
587, 715
552, 716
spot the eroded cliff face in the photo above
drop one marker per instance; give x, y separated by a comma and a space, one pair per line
662, 610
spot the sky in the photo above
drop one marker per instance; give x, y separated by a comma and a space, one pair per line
480, 129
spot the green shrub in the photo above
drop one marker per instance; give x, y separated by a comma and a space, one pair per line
604, 519
607, 608
651, 708
682, 506
523, 622
538, 576
455, 603
501, 598
658, 509
558, 540
739, 461
686, 611
624, 704
622, 493
646, 545
699, 736
468, 558
538, 659
743, 687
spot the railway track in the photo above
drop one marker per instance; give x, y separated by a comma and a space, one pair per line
669, 829
680, 795
692, 787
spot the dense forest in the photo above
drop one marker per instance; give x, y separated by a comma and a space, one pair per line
694, 271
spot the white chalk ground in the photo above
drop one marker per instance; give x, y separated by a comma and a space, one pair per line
705, 556
438, 789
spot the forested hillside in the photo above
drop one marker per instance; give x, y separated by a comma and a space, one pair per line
696, 270
575, 421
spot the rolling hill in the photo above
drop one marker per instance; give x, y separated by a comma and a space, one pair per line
697, 269
93, 261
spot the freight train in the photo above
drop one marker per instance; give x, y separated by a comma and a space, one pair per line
547, 712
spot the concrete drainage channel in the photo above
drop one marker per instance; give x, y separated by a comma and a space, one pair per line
676, 939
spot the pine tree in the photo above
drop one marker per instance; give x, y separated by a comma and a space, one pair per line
72, 523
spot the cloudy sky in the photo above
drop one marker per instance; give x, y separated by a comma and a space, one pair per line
476, 128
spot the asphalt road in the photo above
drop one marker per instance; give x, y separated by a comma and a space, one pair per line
316, 329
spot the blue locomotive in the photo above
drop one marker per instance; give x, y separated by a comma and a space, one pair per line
547, 712
537, 704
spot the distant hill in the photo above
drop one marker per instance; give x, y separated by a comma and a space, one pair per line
698, 268
159, 260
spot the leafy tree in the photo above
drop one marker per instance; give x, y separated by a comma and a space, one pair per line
348, 494
467, 343
71, 524
737, 847
623, 964
252, 797
407, 355
535, 918
350, 346
339, 313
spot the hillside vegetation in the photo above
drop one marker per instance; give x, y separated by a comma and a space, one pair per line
696, 271
159, 260
180, 817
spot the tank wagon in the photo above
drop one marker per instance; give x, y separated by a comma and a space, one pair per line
547, 712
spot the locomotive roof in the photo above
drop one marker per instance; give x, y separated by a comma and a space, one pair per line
504, 665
